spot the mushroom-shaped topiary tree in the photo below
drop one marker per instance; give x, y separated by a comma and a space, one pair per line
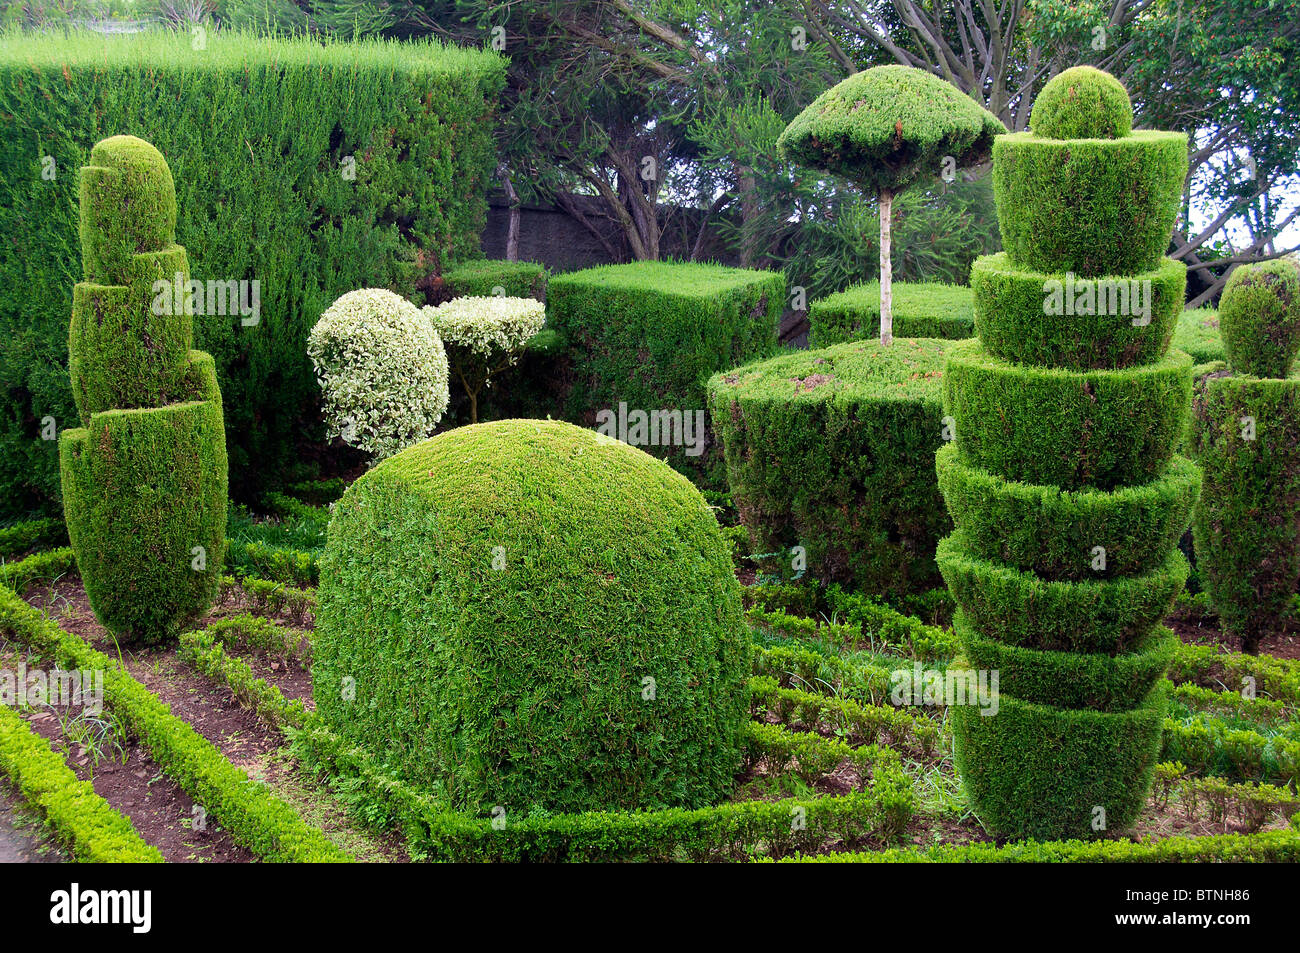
485, 335
884, 129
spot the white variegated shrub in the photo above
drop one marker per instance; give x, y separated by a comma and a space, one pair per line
383, 370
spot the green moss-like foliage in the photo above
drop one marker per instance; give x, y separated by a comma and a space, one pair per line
1063, 482
1030, 317
128, 206
1082, 102
480, 278
828, 449
650, 334
1056, 533
1247, 526
885, 127
1198, 334
921, 310
1074, 429
601, 665
1096, 207
1071, 679
1020, 608
1259, 315
1040, 772
145, 477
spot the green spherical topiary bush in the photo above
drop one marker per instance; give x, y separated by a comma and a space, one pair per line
528, 615
1259, 315
1082, 102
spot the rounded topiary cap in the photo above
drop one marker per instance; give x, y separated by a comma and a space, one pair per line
1259, 315
886, 127
1082, 103
128, 206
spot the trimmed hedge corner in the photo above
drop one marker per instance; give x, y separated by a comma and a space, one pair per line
921, 310
830, 450
527, 614
483, 277
650, 334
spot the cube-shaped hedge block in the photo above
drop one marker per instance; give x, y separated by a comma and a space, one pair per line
921, 310
483, 277
648, 335
830, 450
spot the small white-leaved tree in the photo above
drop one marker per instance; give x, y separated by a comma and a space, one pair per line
383, 370
485, 336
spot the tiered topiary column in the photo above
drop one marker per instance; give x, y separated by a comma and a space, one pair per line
144, 478
1062, 479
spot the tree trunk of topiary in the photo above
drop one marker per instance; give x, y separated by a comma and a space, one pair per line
886, 271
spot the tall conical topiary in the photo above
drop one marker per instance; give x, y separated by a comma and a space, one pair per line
1067, 496
144, 477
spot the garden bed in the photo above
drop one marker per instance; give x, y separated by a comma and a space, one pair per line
828, 745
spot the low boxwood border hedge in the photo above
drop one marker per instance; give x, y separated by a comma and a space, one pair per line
1268, 847
78, 817
253, 815
20, 537
732, 831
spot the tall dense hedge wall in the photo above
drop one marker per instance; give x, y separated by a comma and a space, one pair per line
312, 168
